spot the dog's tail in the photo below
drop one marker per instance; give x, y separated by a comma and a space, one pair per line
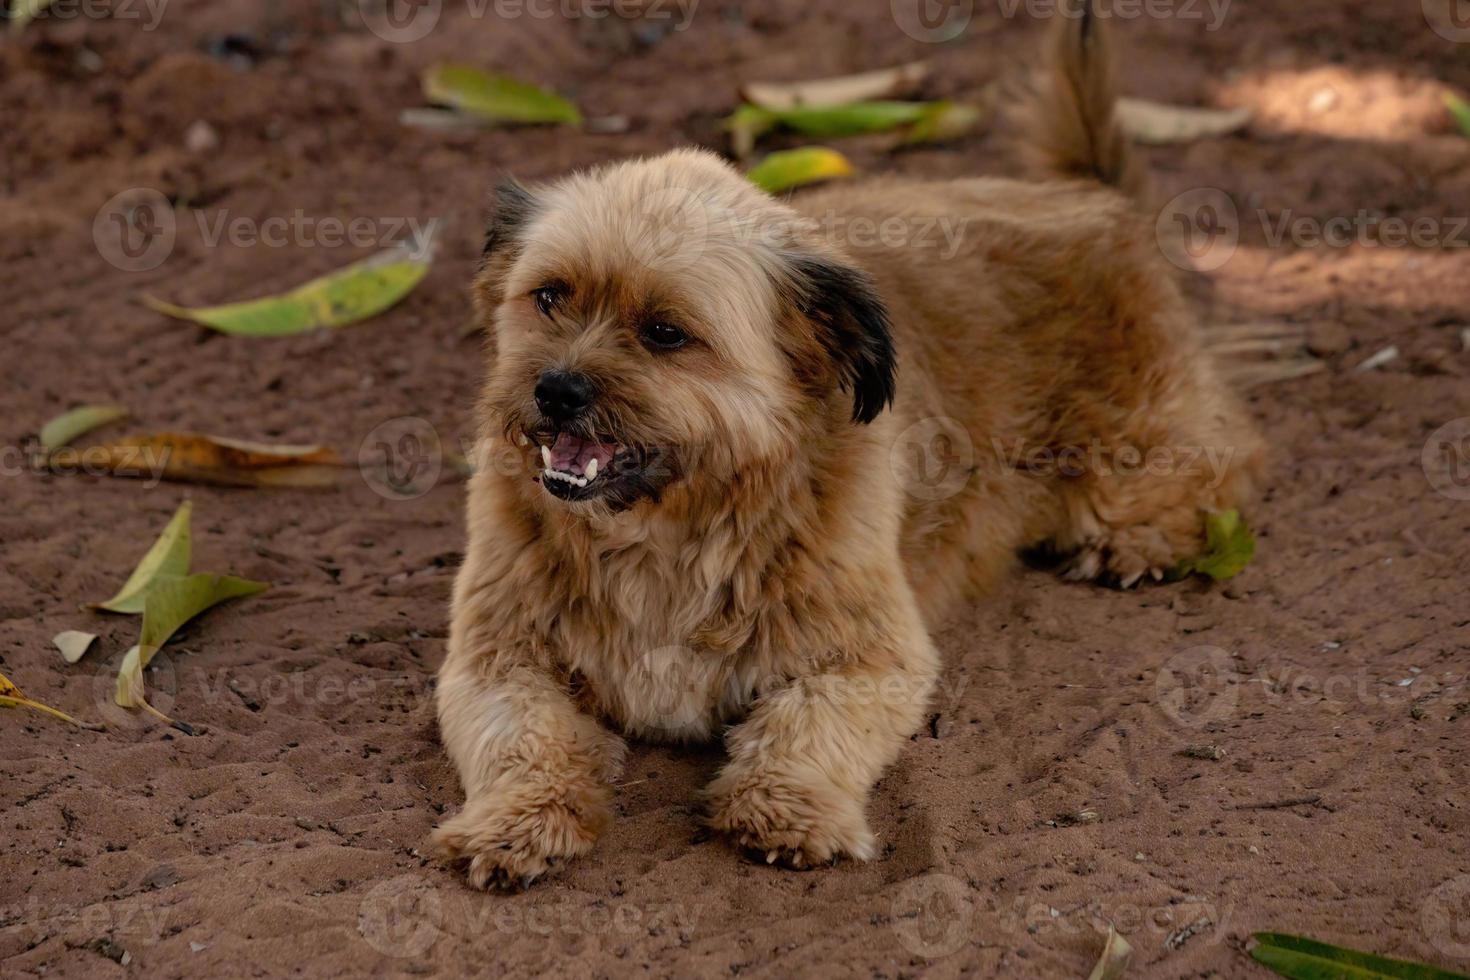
1066, 115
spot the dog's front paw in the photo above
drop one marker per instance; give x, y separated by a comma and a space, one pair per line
1124, 557
796, 823
508, 836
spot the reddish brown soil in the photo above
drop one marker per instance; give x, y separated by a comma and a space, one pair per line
283, 839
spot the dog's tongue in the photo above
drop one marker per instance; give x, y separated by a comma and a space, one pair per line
572, 455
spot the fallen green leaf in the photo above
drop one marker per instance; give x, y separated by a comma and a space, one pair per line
169, 556
78, 422
74, 644
1115, 957
1229, 548
944, 121
170, 603
1301, 958
349, 295
10, 697
749, 122
22, 12
496, 97
1460, 110
795, 168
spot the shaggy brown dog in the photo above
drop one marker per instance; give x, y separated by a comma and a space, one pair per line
699, 513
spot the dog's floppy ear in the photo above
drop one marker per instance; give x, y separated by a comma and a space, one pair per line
510, 211
852, 326
512, 208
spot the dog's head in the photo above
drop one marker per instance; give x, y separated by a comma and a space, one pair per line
664, 320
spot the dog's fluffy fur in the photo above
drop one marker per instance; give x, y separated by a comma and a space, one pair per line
757, 562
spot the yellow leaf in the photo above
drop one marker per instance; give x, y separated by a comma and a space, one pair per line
10, 697
795, 168
1154, 122
1115, 957
169, 604
193, 458
750, 122
168, 556
882, 84
78, 422
349, 295
74, 644
496, 97
944, 121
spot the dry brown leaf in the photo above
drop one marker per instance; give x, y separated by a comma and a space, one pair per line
882, 84
1155, 122
193, 458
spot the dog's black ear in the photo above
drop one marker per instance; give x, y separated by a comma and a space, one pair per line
512, 208
853, 326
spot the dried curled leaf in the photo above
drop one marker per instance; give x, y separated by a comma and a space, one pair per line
881, 84
349, 295
1155, 122
169, 556
1301, 958
74, 644
796, 168
78, 422
496, 97
192, 458
11, 697
1229, 548
1115, 957
170, 603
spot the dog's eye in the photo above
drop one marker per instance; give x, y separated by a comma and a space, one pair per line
664, 336
547, 298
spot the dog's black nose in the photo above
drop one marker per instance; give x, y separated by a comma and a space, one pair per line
563, 396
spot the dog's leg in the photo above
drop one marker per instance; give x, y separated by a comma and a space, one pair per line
1140, 512
535, 770
802, 765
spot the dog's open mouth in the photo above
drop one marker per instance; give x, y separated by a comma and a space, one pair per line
574, 468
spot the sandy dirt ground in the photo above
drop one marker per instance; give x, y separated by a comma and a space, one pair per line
1068, 779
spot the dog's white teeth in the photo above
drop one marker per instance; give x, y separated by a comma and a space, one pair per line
591, 470
546, 456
